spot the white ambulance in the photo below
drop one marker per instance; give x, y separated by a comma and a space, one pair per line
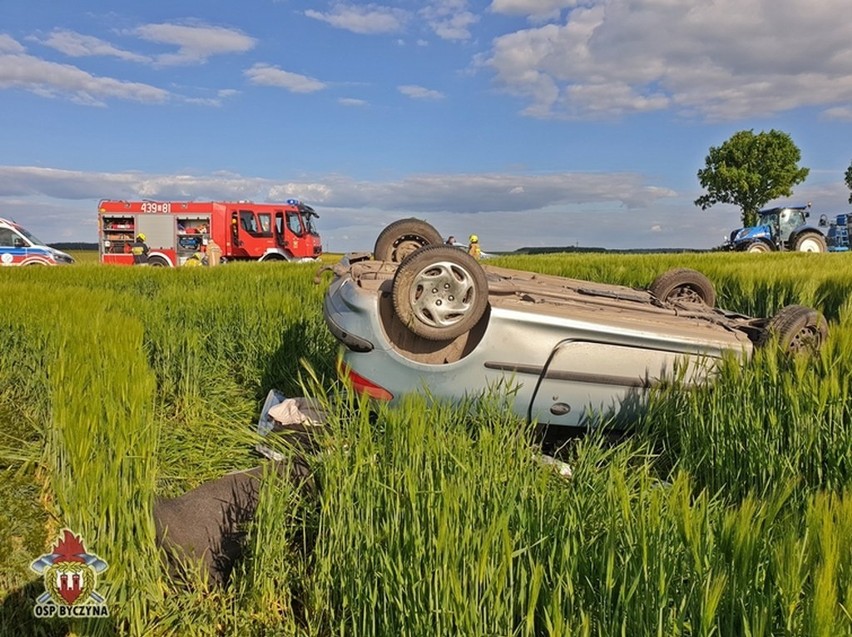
19, 247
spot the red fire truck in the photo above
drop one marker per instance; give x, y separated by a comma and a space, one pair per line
175, 230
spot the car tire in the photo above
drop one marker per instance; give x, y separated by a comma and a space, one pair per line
403, 237
811, 242
797, 328
683, 285
157, 262
439, 292
758, 247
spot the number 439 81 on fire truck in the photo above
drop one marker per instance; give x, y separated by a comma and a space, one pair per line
176, 230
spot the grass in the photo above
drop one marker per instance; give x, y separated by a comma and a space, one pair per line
727, 512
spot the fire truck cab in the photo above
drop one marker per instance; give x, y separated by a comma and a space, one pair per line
19, 247
239, 231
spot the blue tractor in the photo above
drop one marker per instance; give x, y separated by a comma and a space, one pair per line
781, 229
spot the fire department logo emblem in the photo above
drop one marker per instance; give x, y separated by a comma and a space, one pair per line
70, 577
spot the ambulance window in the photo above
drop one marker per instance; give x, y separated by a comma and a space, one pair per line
294, 224
7, 237
31, 237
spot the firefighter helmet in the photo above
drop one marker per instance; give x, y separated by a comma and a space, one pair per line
141, 236
473, 238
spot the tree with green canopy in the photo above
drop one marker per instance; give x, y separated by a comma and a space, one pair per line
848, 178
751, 170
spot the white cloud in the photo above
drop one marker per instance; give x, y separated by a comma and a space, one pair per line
267, 75
50, 79
196, 42
364, 19
77, 45
839, 113
718, 60
8, 44
449, 19
351, 101
534, 9
420, 93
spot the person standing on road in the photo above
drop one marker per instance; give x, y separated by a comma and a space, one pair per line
139, 250
473, 248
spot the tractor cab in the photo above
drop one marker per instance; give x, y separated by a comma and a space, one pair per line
784, 222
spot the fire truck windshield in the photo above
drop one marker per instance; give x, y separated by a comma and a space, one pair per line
309, 224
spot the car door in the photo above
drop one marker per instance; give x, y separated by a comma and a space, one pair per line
584, 378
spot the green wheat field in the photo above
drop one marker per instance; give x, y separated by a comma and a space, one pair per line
727, 510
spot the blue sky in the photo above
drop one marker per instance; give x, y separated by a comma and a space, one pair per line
528, 122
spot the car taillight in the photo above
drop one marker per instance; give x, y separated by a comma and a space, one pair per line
362, 385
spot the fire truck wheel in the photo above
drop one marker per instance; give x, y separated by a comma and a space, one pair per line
797, 328
683, 285
158, 262
439, 292
403, 237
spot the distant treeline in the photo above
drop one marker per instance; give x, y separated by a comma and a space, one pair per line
578, 249
74, 245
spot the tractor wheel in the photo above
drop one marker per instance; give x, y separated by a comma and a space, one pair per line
683, 285
758, 246
439, 292
811, 242
798, 329
403, 237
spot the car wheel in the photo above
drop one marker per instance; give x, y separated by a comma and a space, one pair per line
798, 329
811, 242
439, 292
403, 237
758, 246
683, 285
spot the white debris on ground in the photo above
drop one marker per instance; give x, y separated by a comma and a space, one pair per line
562, 468
280, 412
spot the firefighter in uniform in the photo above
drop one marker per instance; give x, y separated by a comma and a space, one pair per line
473, 249
195, 260
139, 250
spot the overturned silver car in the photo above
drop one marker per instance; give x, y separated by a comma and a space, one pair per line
420, 316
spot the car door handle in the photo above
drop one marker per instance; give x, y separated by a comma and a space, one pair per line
560, 409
